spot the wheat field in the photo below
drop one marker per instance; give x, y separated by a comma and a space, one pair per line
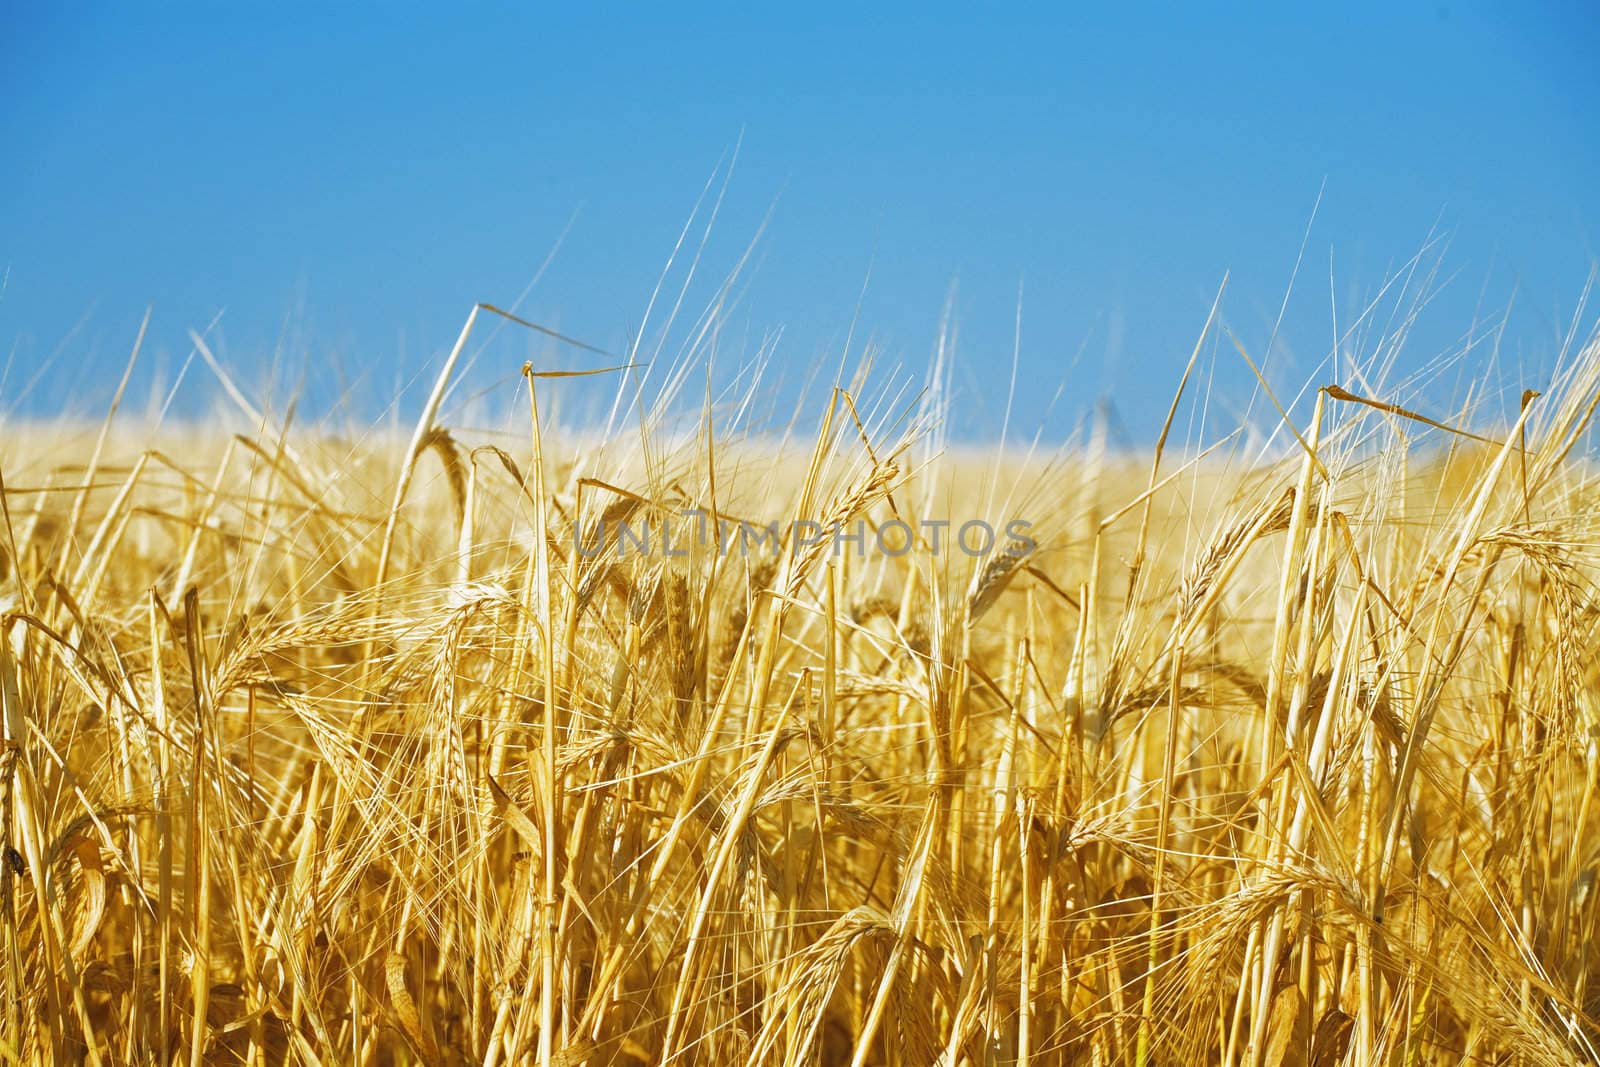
353, 748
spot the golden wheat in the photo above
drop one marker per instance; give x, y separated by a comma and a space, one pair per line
317, 755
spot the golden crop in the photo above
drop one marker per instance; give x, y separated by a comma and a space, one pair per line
321, 750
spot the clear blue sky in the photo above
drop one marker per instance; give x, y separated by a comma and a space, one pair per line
344, 181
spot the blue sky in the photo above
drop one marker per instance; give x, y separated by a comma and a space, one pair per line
343, 181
